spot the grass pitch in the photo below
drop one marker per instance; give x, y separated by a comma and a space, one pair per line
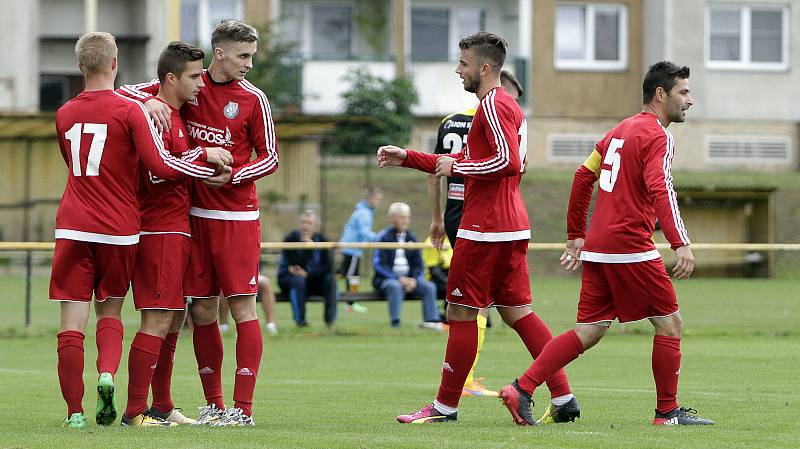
741, 357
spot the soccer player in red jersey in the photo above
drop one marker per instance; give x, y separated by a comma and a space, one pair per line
226, 237
103, 136
624, 277
163, 250
489, 266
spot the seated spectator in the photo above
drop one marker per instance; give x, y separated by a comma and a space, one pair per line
307, 271
399, 272
437, 265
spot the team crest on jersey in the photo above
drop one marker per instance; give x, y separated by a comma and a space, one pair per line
231, 110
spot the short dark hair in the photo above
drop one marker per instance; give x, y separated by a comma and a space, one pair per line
231, 30
509, 77
174, 58
662, 74
488, 46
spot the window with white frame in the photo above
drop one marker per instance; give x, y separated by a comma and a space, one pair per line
332, 30
591, 37
435, 31
200, 17
748, 37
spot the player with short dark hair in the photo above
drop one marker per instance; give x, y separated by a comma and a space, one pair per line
226, 235
163, 250
103, 136
623, 276
489, 266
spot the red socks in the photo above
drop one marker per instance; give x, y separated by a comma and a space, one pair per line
208, 352
162, 376
535, 334
666, 368
142, 360
249, 345
109, 345
462, 345
70, 369
555, 355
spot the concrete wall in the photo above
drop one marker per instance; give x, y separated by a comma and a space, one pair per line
563, 93
19, 74
727, 94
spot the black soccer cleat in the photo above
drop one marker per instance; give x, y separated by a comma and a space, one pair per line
561, 413
519, 403
680, 417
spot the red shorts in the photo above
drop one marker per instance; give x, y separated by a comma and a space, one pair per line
224, 256
484, 274
626, 291
161, 262
81, 268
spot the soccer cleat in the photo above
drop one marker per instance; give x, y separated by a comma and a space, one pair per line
272, 329
477, 389
146, 419
175, 415
519, 403
75, 421
106, 409
428, 414
432, 326
561, 413
234, 416
358, 308
680, 417
208, 415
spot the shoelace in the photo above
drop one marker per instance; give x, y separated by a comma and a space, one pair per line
689, 412
425, 410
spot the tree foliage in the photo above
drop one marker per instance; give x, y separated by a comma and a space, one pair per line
380, 113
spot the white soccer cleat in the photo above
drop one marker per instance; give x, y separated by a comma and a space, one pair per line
234, 416
177, 416
272, 329
432, 325
209, 414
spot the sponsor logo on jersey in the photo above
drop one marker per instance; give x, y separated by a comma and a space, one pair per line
459, 124
206, 370
447, 367
456, 292
231, 110
244, 372
209, 134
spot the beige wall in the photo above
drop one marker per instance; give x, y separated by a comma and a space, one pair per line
295, 185
562, 93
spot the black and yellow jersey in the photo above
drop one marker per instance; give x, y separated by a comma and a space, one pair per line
451, 138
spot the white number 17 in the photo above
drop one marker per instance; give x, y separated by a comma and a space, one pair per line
609, 177
99, 131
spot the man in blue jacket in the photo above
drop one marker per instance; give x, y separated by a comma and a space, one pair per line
358, 229
307, 271
399, 273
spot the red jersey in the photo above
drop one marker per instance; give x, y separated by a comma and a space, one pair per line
491, 165
164, 204
635, 189
103, 136
236, 116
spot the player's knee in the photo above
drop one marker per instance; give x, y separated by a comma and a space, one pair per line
670, 326
591, 334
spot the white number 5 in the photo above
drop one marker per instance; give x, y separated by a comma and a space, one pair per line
609, 177
99, 131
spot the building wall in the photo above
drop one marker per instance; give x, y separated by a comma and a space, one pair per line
730, 94
561, 93
19, 76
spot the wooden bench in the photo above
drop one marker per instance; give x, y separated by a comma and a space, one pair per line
343, 296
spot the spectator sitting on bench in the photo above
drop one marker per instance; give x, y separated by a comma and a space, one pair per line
399, 272
307, 271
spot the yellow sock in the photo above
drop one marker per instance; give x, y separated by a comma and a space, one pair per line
481, 336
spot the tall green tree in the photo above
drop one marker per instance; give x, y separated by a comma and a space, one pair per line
380, 113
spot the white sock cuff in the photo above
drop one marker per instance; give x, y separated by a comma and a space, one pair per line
444, 409
561, 400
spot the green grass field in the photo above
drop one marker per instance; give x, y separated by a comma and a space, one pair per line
741, 357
